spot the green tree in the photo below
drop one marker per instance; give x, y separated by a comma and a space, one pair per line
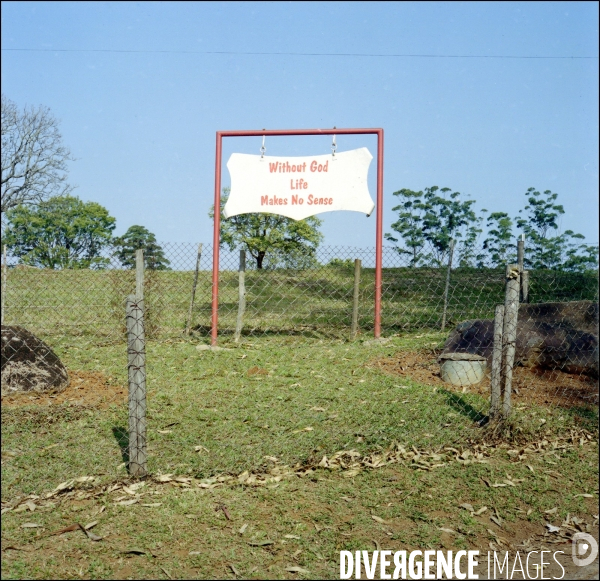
270, 239
139, 237
429, 220
411, 212
499, 243
545, 247
62, 232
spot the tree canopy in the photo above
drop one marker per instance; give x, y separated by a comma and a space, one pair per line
34, 159
546, 247
62, 232
139, 237
271, 239
428, 220
500, 241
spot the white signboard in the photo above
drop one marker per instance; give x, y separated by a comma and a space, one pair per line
298, 187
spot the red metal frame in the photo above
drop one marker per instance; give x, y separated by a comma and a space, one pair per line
217, 223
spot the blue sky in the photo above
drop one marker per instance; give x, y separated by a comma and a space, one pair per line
142, 124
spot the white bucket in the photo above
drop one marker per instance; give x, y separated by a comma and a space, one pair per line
462, 368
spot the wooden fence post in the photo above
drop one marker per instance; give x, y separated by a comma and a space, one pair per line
525, 286
495, 403
139, 273
136, 370
521, 253
188, 326
355, 297
446, 290
4, 277
239, 323
509, 332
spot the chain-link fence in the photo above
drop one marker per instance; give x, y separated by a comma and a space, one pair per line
443, 340
314, 300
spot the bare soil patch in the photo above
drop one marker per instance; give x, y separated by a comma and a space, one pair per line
86, 388
530, 385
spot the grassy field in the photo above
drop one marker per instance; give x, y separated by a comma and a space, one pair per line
311, 303
261, 407
242, 432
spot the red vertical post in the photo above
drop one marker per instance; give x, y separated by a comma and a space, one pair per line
379, 235
216, 240
379, 216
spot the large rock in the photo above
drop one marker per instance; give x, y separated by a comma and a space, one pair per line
549, 335
28, 364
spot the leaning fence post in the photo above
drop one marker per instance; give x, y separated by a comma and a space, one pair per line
4, 277
239, 323
495, 403
355, 297
136, 370
524, 286
451, 252
188, 326
139, 273
509, 332
521, 253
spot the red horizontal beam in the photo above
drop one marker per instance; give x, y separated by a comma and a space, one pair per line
258, 132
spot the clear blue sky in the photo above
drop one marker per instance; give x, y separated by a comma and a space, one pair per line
142, 124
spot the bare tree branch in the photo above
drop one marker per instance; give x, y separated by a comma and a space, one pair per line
34, 159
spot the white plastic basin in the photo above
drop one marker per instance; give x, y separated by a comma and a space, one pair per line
462, 368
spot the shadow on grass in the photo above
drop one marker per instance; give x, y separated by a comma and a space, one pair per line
466, 409
122, 437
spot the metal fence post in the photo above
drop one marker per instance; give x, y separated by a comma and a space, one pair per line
136, 369
495, 402
188, 326
239, 323
451, 252
355, 297
509, 332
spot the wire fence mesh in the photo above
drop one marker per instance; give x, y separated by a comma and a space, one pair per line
313, 301
294, 365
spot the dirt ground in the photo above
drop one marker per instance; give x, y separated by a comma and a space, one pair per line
530, 385
89, 388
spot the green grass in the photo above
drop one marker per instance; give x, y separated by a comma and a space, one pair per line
250, 402
253, 401
210, 399
324, 512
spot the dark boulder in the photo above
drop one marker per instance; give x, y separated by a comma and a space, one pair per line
549, 335
28, 364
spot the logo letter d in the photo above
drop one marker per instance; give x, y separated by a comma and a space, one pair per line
581, 543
